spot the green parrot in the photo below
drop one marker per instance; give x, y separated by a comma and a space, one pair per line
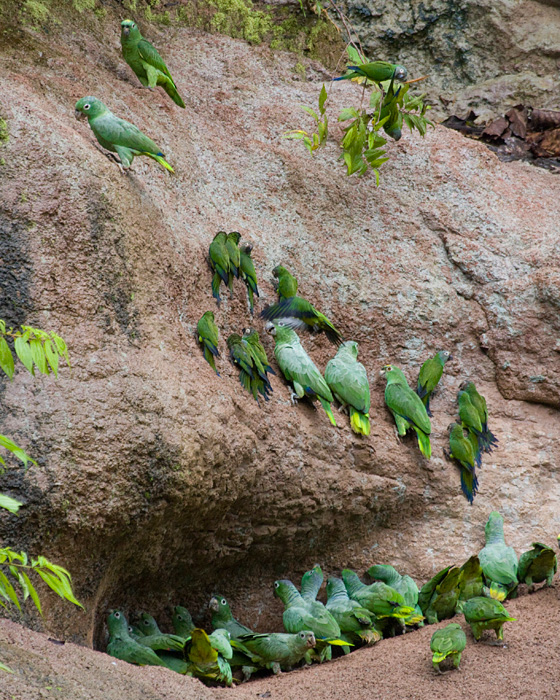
356, 622
300, 614
485, 614
311, 582
390, 110
430, 374
182, 622
218, 257
258, 354
174, 663
232, 247
278, 651
378, 598
472, 582
487, 440
297, 312
208, 656
154, 638
240, 355
536, 565
348, 381
377, 72
248, 274
470, 418
207, 332
461, 449
407, 408
117, 135
222, 618
438, 602
287, 283
146, 62
123, 646
299, 369
498, 561
403, 584
448, 642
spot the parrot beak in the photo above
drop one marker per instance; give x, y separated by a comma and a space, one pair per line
79, 115
450, 357
311, 641
126, 31
270, 328
214, 605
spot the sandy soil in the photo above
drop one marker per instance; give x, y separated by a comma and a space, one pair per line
395, 669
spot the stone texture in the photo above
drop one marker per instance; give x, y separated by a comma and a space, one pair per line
159, 482
487, 56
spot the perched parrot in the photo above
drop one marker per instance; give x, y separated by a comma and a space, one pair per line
207, 332
222, 618
241, 356
487, 441
123, 646
428, 589
472, 582
311, 582
232, 247
377, 72
218, 257
208, 656
536, 565
355, 622
117, 135
390, 110
470, 418
146, 62
448, 642
498, 561
154, 638
278, 651
430, 374
442, 602
403, 584
297, 313
348, 381
378, 598
461, 449
248, 274
287, 283
407, 408
182, 622
299, 369
258, 354
300, 614
485, 614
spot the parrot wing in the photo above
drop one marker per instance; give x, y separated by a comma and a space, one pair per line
407, 404
119, 132
349, 381
297, 366
150, 55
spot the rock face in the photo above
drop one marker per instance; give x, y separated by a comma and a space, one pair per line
159, 482
487, 56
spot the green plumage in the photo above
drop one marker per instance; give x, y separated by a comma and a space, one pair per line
378, 598
251, 373
498, 561
355, 621
248, 274
484, 614
300, 614
299, 369
472, 581
222, 618
154, 638
182, 622
207, 332
461, 449
258, 355
287, 283
487, 440
376, 71
208, 656
404, 585
407, 408
448, 642
116, 134
298, 313
123, 646
439, 597
348, 381
146, 62
234, 254
218, 257
278, 651
311, 582
538, 564
430, 374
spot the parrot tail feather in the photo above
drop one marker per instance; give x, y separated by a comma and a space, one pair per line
359, 421
423, 442
438, 658
328, 410
469, 484
171, 90
160, 160
216, 280
209, 357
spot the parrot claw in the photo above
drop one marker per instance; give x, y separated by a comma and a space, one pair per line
294, 398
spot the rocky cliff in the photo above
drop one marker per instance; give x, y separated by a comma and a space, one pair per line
159, 482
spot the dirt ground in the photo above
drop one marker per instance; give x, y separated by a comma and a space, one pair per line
395, 669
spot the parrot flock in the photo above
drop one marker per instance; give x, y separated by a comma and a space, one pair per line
354, 614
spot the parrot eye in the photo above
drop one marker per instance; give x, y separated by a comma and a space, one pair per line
117, 615
302, 635
276, 584
224, 601
145, 622
86, 106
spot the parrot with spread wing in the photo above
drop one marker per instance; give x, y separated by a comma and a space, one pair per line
146, 62
348, 381
298, 313
118, 135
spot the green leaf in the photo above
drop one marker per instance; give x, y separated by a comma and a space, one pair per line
61, 347
38, 355
23, 351
3, 667
348, 113
354, 55
9, 503
60, 586
322, 99
32, 592
7, 590
374, 99
311, 112
295, 134
6, 359
16, 450
52, 356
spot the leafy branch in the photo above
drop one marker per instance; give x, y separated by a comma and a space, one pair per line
34, 347
314, 141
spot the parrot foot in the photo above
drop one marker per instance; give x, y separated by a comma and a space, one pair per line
442, 673
294, 398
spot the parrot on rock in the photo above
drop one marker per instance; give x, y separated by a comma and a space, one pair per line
439, 597
287, 284
208, 656
258, 354
154, 638
222, 618
311, 582
461, 449
218, 257
146, 62
485, 614
278, 651
232, 247
356, 622
182, 622
487, 439
118, 135
472, 581
123, 646
207, 332
248, 274
430, 374
448, 643
536, 565
250, 376
407, 408
298, 313
299, 369
403, 584
378, 598
498, 561
348, 381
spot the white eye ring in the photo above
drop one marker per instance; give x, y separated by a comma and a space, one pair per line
117, 615
276, 585
86, 106
224, 601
